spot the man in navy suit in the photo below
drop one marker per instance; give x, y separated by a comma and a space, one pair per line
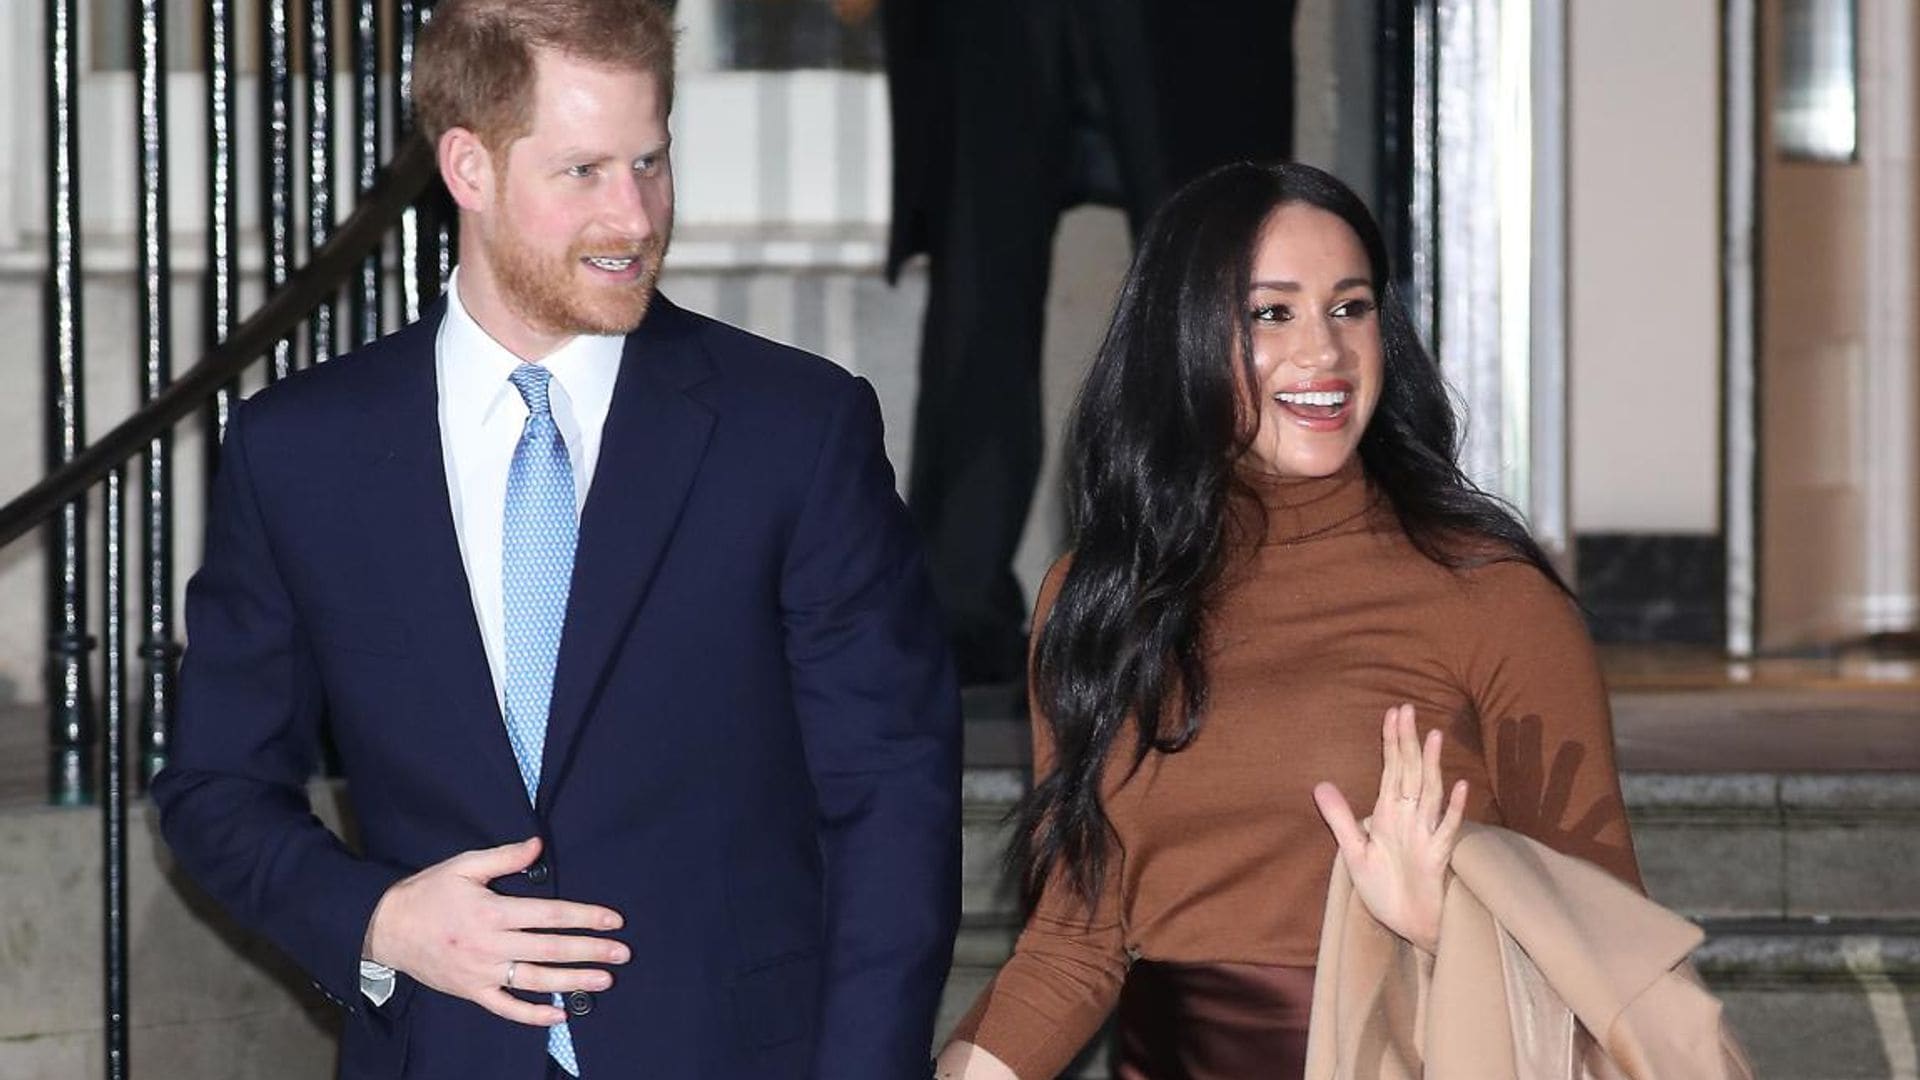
615, 619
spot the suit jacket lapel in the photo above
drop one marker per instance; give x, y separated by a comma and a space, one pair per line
407, 503
650, 451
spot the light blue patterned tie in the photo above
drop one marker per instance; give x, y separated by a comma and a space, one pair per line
536, 571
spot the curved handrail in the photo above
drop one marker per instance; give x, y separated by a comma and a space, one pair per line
399, 184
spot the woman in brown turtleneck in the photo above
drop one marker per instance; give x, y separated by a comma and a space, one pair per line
1273, 547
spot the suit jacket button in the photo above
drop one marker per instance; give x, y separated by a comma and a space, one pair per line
579, 1003
538, 873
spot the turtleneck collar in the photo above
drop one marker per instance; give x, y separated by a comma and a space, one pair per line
1300, 509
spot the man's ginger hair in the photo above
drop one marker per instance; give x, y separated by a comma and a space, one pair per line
474, 65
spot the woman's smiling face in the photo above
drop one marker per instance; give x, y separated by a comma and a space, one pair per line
1314, 323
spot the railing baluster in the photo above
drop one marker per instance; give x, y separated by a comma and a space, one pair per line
446, 240
114, 778
69, 691
223, 222
320, 329
158, 649
438, 225
276, 86
366, 302
406, 31
437, 245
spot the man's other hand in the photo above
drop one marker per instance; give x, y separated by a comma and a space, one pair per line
447, 930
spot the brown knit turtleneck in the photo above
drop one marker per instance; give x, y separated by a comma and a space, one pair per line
1320, 628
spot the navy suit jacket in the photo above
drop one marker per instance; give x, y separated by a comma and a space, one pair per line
753, 750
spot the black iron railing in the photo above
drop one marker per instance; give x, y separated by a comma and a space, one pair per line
379, 211
89, 686
70, 691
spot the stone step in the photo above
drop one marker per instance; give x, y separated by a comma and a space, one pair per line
1819, 998
1779, 845
1748, 845
1817, 724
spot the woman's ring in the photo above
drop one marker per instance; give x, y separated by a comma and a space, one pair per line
511, 964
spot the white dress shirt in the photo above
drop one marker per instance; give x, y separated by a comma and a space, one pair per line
481, 417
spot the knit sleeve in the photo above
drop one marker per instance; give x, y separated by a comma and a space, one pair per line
1545, 725
1067, 966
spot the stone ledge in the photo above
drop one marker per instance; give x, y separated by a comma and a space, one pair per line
1771, 798
1810, 951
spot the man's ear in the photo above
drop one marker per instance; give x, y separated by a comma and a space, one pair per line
467, 168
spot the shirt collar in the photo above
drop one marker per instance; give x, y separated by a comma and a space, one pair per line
478, 367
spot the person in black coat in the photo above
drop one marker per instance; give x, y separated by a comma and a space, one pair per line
1005, 114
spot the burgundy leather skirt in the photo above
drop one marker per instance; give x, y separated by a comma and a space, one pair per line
1213, 1022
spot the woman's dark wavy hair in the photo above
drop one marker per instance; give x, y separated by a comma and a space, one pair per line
1151, 478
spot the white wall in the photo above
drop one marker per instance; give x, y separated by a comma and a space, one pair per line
1644, 279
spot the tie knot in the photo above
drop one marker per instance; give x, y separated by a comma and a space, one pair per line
531, 380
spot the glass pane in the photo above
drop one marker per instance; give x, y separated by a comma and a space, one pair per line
113, 24
1814, 111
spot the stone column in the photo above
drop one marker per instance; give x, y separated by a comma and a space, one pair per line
1499, 159
1889, 596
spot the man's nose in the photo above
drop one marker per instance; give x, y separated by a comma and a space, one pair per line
626, 207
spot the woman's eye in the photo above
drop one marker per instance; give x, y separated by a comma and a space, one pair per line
1354, 309
1272, 313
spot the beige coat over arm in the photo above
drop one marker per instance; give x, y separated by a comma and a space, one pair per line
1548, 968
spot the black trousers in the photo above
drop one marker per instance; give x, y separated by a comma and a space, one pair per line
1028, 140
1052, 103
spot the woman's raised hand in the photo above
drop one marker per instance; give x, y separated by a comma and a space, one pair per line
1398, 858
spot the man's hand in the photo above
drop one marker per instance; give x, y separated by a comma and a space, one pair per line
1398, 860
447, 930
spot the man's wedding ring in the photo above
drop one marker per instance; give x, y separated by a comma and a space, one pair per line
511, 964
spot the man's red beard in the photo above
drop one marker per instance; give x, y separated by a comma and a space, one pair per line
545, 294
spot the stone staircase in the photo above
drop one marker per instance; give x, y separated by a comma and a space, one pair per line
1796, 843
1809, 887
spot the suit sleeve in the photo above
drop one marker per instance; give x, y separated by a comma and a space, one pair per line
874, 689
1546, 728
232, 797
1064, 977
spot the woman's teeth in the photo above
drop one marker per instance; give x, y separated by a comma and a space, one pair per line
1325, 398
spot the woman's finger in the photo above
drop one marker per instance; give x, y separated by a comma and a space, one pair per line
1389, 759
1448, 834
1339, 818
1409, 738
1433, 792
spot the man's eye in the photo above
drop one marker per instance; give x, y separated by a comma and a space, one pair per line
647, 165
580, 172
